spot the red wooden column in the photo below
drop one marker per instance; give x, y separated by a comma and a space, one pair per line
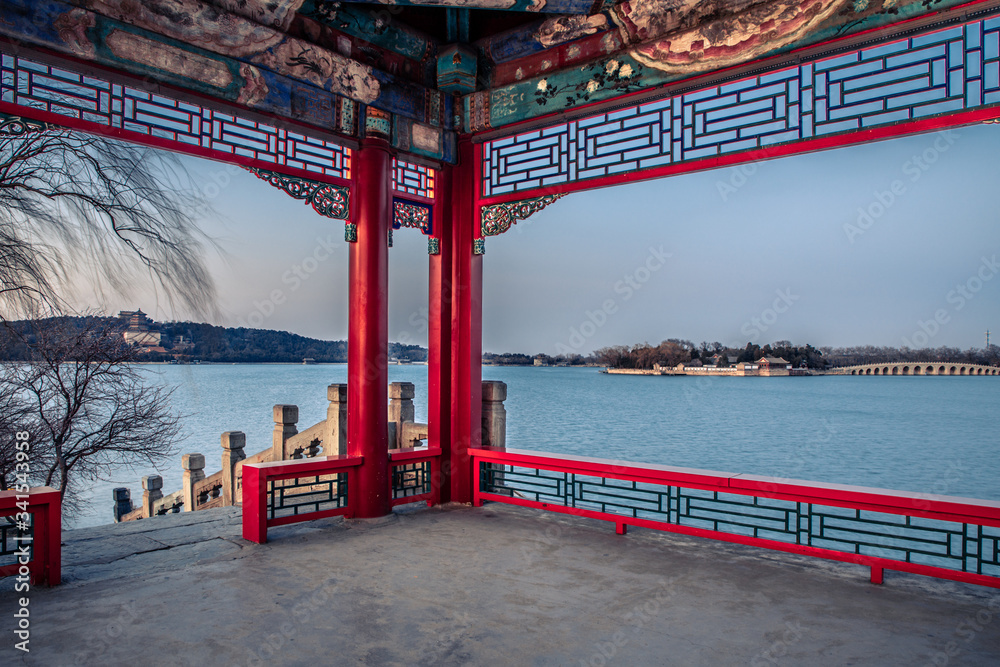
439, 332
368, 335
466, 324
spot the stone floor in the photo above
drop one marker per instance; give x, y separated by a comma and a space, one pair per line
497, 585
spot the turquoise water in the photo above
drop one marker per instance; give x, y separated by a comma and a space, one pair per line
923, 434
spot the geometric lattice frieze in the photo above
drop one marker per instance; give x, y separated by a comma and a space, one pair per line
90, 99
412, 179
944, 71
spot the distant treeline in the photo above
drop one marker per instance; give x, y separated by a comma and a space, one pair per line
205, 342
517, 359
676, 351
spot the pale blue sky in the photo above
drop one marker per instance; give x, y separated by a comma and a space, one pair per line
763, 253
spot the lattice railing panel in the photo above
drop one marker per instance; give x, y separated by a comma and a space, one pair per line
957, 546
946, 71
412, 179
304, 495
13, 536
93, 100
411, 479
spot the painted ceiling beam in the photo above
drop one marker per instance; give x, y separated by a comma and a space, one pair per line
421, 72
541, 6
634, 20
371, 25
323, 93
765, 30
374, 25
533, 38
204, 26
367, 35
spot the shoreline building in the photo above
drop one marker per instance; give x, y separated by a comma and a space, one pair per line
773, 366
138, 328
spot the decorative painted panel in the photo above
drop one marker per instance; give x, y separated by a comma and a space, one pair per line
412, 179
93, 100
945, 71
413, 215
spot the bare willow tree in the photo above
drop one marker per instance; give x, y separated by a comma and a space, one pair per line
78, 209
75, 207
87, 406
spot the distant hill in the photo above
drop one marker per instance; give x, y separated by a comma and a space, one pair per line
189, 341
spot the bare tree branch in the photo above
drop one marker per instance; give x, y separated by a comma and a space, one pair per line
86, 405
77, 206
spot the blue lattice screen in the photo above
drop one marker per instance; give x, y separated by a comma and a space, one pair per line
90, 99
412, 179
945, 71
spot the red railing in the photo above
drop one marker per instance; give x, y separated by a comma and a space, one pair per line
44, 504
266, 504
412, 470
939, 536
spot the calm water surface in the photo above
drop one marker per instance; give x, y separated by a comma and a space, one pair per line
923, 434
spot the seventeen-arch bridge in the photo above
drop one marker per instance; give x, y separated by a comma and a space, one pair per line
918, 368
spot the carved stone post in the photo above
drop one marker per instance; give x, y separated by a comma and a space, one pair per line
152, 486
233, 443
400, 410
335, 442
494, 414
285, 418
194, 471
123, 502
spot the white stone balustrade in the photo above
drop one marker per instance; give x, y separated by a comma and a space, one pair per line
327, 438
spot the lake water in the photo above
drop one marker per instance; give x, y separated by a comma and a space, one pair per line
922, 434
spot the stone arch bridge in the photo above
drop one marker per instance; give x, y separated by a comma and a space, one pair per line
917, 368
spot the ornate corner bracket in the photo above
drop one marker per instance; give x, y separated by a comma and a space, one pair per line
410, 215
14, 126
498, 218
331, 201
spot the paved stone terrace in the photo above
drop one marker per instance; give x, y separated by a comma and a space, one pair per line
493, 586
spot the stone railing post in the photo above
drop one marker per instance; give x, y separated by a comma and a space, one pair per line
494, 414
194, 471
335, 441
152, 490
233, 443
400, 411
123, 502
285, 418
